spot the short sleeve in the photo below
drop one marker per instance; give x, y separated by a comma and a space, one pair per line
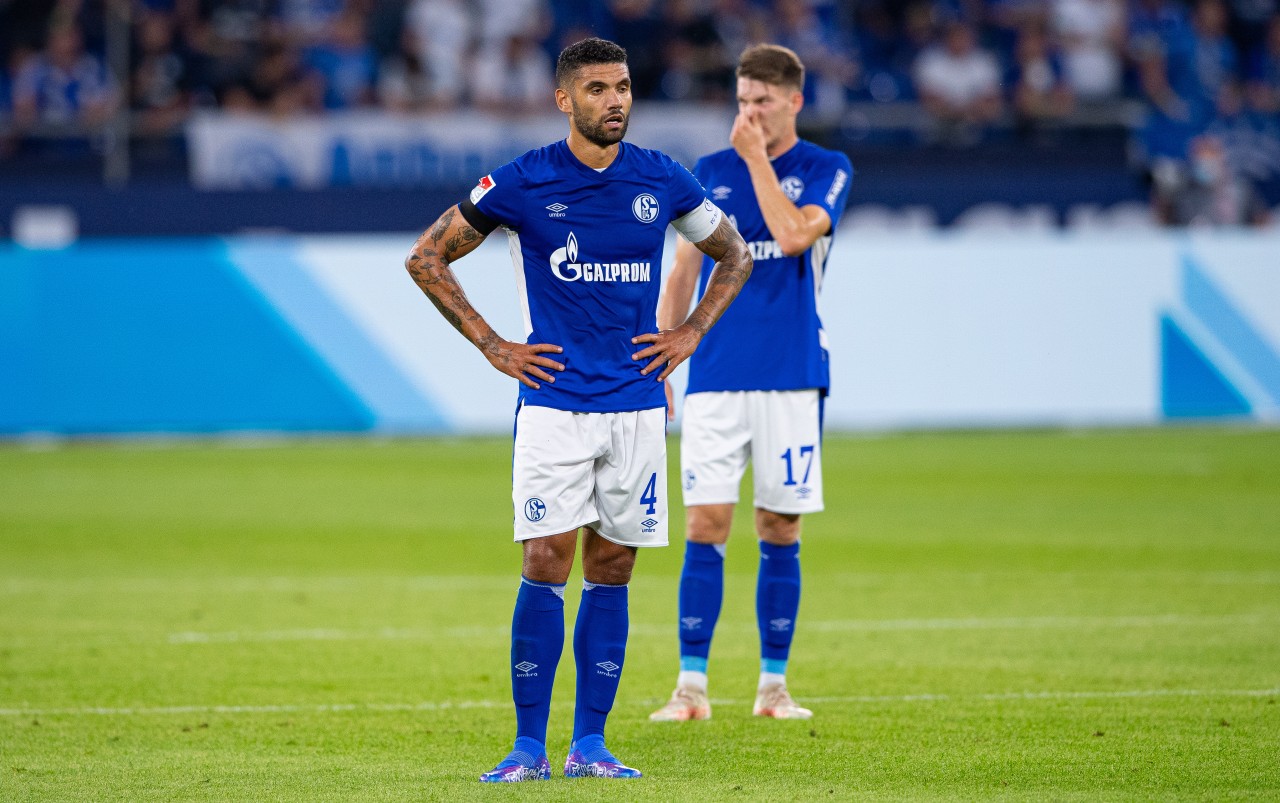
500, 195
827, 186
686, 192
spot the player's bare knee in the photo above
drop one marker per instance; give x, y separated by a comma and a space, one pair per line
605, 562
780, 529
708, 524
549, 559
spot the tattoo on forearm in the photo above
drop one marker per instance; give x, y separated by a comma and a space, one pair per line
428, 264
733, 266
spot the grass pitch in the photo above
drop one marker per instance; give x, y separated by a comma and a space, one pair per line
1035, 615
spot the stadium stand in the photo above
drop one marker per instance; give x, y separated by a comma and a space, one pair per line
101, 94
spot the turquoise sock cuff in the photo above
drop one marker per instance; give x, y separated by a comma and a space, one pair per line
692, 663
774, 666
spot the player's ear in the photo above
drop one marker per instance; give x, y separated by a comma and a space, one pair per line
563, 102
797, 102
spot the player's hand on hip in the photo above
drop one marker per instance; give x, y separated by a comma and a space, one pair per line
670, 347
524, 361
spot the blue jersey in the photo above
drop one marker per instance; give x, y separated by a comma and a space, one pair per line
770, 337
587, 247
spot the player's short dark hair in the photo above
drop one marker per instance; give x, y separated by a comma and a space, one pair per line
772, 64
584, 53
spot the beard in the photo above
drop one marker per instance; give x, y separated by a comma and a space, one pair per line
595, 132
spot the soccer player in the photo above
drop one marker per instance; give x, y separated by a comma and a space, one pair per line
757, 385
586, 218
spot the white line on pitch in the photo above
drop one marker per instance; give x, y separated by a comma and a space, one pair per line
828, 626
446, 706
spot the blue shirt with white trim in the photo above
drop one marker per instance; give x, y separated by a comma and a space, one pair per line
771, 337
587, 247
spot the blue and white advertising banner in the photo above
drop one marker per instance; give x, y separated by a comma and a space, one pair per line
378, 149
329, 334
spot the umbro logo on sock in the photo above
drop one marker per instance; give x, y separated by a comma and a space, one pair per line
609, 669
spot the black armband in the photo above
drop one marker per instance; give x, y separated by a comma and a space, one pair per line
478, 220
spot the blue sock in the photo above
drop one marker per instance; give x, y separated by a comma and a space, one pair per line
537, 639
701, 592
599, 647
777, 600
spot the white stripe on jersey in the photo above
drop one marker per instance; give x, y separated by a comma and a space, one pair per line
819, 252
522, 291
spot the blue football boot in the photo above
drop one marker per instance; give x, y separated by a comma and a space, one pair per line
589, 758
520, 765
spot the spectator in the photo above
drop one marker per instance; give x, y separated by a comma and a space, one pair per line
1207, 193
344, 64
1216, 60
832, 71
959, 85
500, 20
227, 38
404, 85
443, 31
697, 67
638, 29
1251, 139
308, 22
514, 76
1092, 34
63, 86
160, 81
1264, 72
1040, 94
278, 84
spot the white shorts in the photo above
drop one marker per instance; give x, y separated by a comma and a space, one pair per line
606, 471
779, 429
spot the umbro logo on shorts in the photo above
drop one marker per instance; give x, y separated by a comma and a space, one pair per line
649, 524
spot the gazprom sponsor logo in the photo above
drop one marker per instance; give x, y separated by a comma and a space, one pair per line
765, 249
567, 268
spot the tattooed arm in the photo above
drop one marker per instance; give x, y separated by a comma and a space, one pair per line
671, 347
451, 238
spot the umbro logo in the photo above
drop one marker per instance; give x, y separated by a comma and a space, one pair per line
649, 524
525, 668
803, 492
721, 192
691, 622
556, 210
779, 625
608, 668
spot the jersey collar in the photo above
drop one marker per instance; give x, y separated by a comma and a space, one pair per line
590, 171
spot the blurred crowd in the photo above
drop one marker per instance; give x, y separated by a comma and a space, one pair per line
1200, 68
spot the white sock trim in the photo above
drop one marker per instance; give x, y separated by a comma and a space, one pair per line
693, 680
771, 679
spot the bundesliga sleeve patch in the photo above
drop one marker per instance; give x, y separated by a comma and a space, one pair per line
483, 186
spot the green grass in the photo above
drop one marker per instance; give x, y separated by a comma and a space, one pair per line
1028, 615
